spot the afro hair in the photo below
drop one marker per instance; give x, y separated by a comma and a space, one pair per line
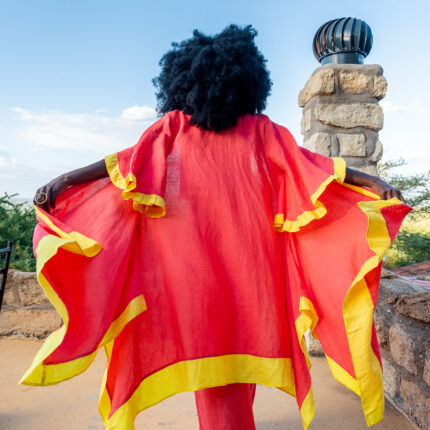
215, 79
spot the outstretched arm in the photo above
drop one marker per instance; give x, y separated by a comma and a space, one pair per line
377, 185
79, 176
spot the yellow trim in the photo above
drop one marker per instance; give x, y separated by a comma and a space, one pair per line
192, 375
358, 311
152, 204
76, 243
307, 410
307, 319
104, 400
358, 306
48, 246
343, 376
361, 190
293, 226
339, 168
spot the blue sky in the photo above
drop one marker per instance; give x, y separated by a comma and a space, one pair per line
75, 81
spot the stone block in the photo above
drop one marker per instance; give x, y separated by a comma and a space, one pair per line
416, 305
29, 322
426, 373
385, 273
351, 115
381, 331
314, 346
319, 142
415, 403
31, 293
27, 289
402, 349
306, 121
320, 83
379, 87
354, 82
390, 380
9, 297
377, 153
352, 145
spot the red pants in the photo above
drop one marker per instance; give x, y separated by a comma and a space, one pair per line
228, 407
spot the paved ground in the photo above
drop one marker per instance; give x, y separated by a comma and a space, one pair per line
72, 405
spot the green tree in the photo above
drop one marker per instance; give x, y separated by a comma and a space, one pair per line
17, 222
415, 188
412, 244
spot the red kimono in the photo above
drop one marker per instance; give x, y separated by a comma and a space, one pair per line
204, 259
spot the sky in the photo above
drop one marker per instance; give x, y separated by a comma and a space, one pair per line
75, 80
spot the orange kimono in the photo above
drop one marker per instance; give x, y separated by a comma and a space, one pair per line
204, 259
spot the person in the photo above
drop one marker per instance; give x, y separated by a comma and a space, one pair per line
200, 256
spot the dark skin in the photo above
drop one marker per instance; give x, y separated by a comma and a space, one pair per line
98, 171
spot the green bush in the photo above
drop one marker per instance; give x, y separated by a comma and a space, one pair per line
17, 222
412, 244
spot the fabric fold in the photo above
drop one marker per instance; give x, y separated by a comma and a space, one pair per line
65, 259
192, 298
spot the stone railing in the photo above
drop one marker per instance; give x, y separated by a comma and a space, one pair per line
402, 321
26, 311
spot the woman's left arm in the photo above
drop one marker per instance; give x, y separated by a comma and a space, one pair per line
377, 185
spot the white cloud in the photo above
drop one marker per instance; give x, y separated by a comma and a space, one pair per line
83, 132
390, 107
42, 145
139, 113
7, 162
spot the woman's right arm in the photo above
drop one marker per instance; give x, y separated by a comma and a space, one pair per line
79, 176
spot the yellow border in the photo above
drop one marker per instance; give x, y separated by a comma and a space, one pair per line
358, 306
292, 226
48, 246
192, 375
358, 312
152, 204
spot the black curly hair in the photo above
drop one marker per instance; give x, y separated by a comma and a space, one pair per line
215, 79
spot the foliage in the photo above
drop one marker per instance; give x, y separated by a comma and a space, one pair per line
412, 244
415, 188
17, 222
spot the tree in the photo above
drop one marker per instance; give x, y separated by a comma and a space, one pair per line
17, 222
412, 244
415, 188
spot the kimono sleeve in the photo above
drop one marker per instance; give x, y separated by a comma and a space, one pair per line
140, 171
332, 266
300, 177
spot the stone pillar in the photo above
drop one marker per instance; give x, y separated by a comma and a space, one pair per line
341, 113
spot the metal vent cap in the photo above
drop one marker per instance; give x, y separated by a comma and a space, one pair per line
343, 41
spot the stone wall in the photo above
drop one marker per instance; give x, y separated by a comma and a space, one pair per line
341, 114
26, 311
402, 320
